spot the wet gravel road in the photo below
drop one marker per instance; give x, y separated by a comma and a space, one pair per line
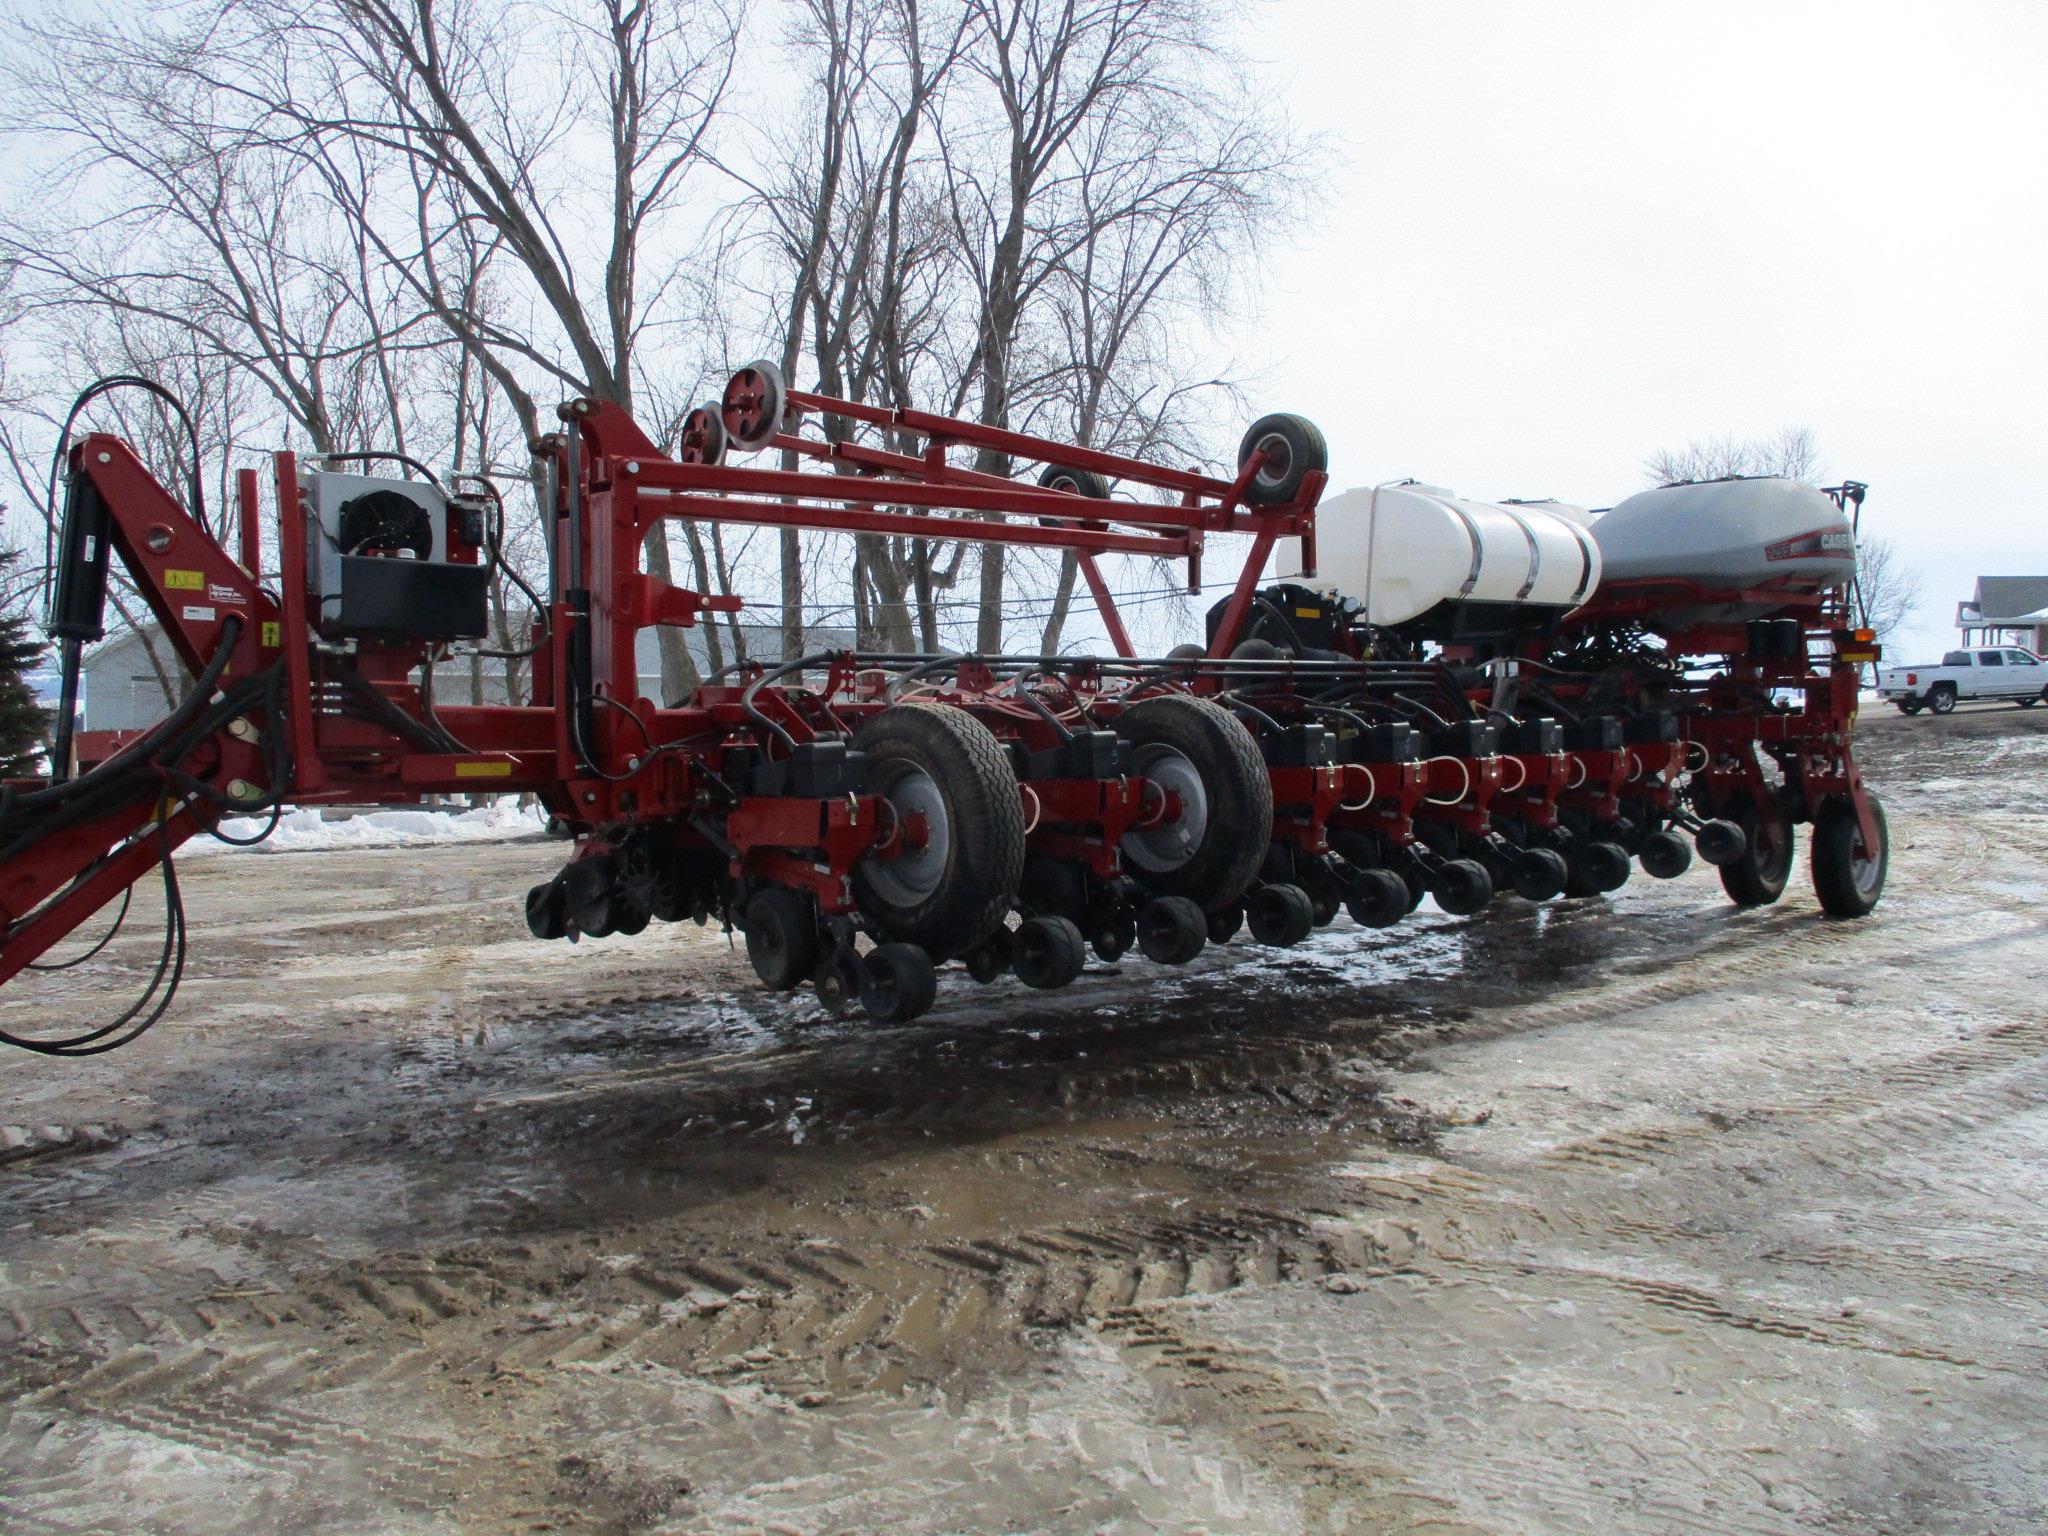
1639, 1214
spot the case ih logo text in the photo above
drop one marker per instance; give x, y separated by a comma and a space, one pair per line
1822, 541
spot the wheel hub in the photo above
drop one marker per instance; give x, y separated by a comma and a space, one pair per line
1163, 845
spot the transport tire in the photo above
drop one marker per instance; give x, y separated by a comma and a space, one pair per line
1082, 482
1200, 752
1172, 930
1847, 881
1462, 887
897, 983
1538, 874
1757, 878
1665, 856
1941, 698
943, 764
1720, 842
755, 402
1224, 925
1279, 915
781, 928
1047, 952
1595, 869
1294, 448
1378, 898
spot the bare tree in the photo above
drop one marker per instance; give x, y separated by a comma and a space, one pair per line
1888, 588
1791, 451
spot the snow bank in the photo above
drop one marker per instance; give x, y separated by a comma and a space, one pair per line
305, 831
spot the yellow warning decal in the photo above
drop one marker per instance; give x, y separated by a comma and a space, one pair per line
488, 770
1308, 613
273, 632
185, 581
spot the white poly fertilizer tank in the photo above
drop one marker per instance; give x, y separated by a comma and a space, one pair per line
1406, 550
1730, 535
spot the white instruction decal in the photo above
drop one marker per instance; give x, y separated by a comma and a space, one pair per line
199, 615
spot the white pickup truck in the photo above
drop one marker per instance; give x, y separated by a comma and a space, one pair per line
2002, 672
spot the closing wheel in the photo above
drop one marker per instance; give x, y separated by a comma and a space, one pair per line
989, 959
1377, 898
1223, 926
1208, 847
1293, 447
1047, 952
950, 785
1757, 877
1538, 874
1847, 877
1462, 887
897, 983
838, 981
1720, 842
1172, 930
1941, 698
1279, 915
1665, 855
703, 436
1112, 933
755, 402
781, 929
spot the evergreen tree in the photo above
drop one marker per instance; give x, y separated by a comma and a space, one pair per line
22, 719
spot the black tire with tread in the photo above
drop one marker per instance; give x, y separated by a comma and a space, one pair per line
1277, 484
973, 773
1758, 877
1833, 858
1239, 790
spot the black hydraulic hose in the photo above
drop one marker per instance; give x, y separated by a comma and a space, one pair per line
385, 456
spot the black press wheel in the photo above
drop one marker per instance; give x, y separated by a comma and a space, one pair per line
1293, 447
1847, 877
1538, 874
1223, 926
990, 958
1462, 887
1172, 930
1210, 847
1665, 855
1280, 915
1941, 698
950, 884
1719, 841
1047, 952
897, 983
756, 399
782, 937
1377, 898
1756, 877
1594, 869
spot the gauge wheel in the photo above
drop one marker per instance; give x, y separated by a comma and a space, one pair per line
1208, 847
958, 840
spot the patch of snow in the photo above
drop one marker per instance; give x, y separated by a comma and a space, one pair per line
306, 831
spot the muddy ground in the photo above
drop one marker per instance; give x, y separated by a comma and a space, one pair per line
1635, 1215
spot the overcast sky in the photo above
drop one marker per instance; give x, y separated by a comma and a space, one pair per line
1571, 233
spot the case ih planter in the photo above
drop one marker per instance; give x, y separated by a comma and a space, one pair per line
864, 818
